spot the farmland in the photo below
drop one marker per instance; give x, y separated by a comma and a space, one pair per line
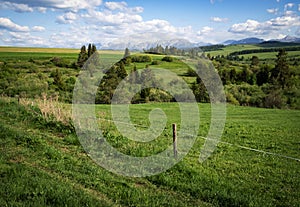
42, 162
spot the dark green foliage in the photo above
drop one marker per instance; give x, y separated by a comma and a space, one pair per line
141, 58
85, 54
109, 83
126, 53
168, 59
58, 81
168, 50
82, 57
254, 61
263, 75
281, 73
200, 91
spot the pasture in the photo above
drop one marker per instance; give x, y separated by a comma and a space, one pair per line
42, 162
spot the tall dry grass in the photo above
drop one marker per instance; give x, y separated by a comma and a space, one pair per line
50, 108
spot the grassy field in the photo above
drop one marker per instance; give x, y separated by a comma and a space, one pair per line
263, 55
42, 162
233, 48
270, 55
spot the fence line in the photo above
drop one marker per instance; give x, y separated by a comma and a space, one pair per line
223, 142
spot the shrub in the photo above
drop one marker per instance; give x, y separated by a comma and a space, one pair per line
155, 62
168, 59
141, 58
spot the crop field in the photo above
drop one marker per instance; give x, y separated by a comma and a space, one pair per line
43, 163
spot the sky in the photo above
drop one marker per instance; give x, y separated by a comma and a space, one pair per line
72, 23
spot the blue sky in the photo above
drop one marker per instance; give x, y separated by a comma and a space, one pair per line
72, 23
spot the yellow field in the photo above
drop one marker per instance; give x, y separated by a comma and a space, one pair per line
51, 50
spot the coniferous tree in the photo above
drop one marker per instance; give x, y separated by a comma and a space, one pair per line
281, 73
82, 57
89, 50
94, 49
126, 53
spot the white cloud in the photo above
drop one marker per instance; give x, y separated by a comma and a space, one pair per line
288, 6
42, 9
272, 11
251, 27
248, 26
116, 5
107, 17
24, 39
66, 18
38, 28
7, 24
298, 7
218, 19
205, 30
16, 7
72, 5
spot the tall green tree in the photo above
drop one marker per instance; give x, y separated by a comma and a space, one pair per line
281, 73
126, 53
110, 82
89, 50
82, 57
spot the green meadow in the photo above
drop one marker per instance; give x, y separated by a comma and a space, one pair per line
42, 162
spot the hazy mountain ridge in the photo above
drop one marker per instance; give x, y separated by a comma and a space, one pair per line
185, 44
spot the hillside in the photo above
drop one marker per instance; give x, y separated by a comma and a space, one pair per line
42, 163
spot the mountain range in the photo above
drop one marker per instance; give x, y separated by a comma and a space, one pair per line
185, 44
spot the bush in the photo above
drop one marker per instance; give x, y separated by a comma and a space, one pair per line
168, 59
155, 62
141, 58
245, 94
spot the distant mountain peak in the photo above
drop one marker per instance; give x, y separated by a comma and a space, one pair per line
250, 40
289, 38
140, 45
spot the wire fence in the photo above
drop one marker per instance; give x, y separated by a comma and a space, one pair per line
222, 142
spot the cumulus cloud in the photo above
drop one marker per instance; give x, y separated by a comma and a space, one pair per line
218, 19
72, 5
248, 26
107, 17
276, 24
272, 11
205, 30
116, 5
38, 28
66, 18
7, 24
16, 7
288, 6
23, 39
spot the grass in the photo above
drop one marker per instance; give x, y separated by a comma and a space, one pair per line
43, 165
26, 53
270, 55
233, 48
42, 162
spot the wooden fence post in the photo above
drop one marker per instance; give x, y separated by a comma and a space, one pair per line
174, 140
